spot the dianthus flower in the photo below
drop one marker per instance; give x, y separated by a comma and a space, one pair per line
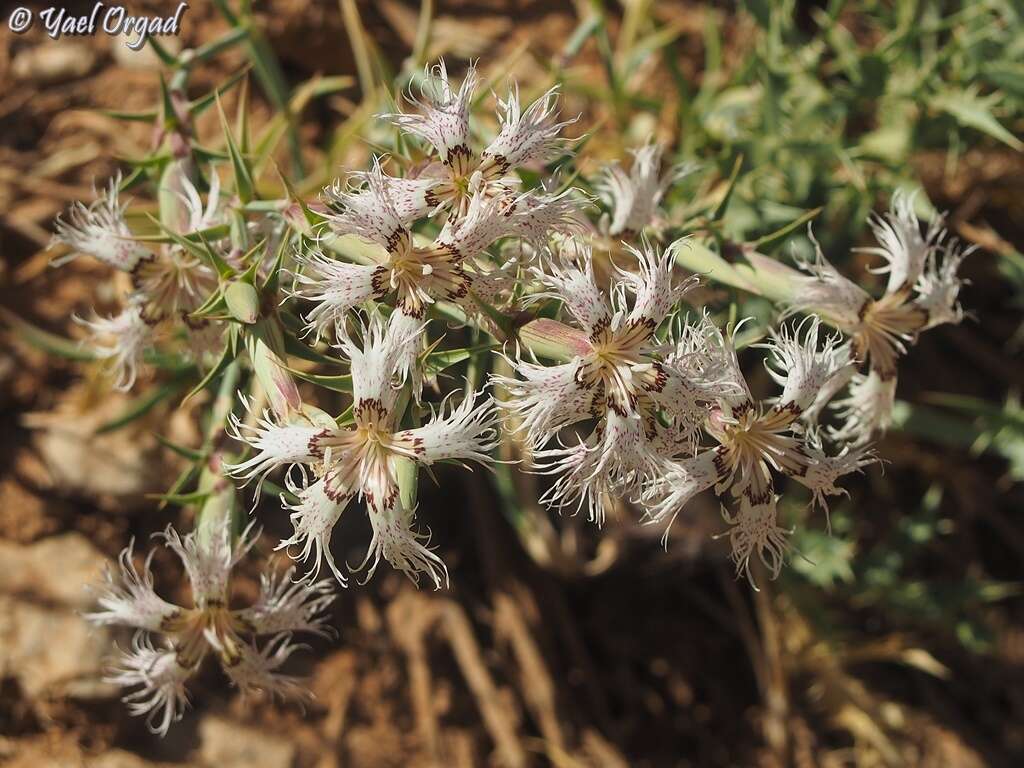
755, 440
643, 400
362, 460
167, 284
448, 268
526, 137
171, 640
921, 293
634, 197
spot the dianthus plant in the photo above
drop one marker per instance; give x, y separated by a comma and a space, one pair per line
433, 307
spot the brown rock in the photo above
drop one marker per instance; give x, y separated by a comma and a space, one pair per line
55, 570
54, 62
52, 651
122, 463
45, 643
225, 744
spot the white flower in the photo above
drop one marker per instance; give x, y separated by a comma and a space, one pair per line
197, 216
622, 377
846, 371
362, 461
526, 137
313, 518
335, 288
256, 669
800, 365
823, 291
208, 562
921, 292
276, 445
129, 598
121, 341
444, 117
175, 281
100, 230
171, 284
938, 286
188, 635
167, 284
634, 197
756, 440
867, 408
754, 529
160, 680
824, 471
616, 455
449, 268
415, 198
902, 244
395, 540
287, 604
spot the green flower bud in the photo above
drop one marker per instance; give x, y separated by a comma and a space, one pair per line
243, 302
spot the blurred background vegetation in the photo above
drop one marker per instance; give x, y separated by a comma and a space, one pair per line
895, 639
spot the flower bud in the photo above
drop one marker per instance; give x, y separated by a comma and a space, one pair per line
266, 350
243, 302
553, 340
219, 509
173, 201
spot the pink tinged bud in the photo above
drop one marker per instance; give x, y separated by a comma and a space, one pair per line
554, 340
271, 369
296, 218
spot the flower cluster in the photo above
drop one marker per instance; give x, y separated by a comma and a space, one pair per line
171, 641
475, 200
921, 292
167, 284
614, 380
645, 399
673, 416
754, 439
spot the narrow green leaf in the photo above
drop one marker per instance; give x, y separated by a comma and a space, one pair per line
44, 340
438, 361
723, 204
184, 451
167, 58
146, 116
210, 233
182, 499
584, 30
209, 50
773, 237
296, 348
183, 479
973, 111
226, 358
338, 383
244, 185
141, 406
203, 103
